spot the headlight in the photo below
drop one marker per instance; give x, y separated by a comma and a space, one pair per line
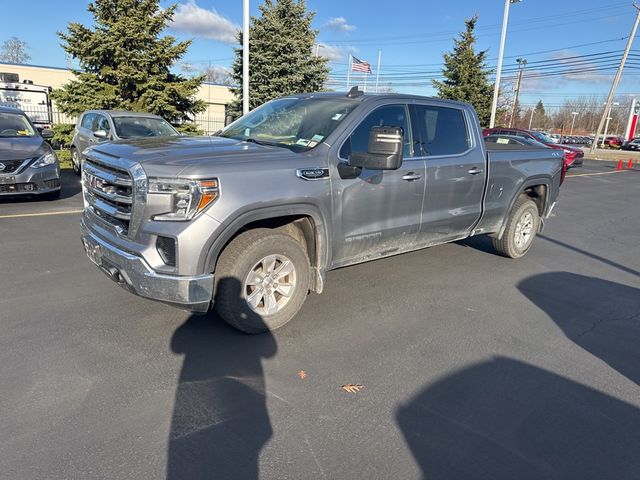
44, 160
188, 197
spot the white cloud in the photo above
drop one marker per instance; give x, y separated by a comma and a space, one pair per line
202, 23
334, 54
339, 24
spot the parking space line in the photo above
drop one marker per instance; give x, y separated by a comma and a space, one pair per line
43, 214
597, 173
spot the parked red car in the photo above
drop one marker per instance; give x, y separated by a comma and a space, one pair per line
613, 142
573, 156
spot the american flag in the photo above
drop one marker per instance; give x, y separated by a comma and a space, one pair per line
358, 65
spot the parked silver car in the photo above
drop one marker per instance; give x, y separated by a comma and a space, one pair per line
28, 164
97, 126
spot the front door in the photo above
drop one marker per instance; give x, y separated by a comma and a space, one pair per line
378, 211
456, 173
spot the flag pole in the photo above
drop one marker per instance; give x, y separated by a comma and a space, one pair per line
378, 74
365, 81
349, 73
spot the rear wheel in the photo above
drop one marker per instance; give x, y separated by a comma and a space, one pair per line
522, 225
262, 280
75, 160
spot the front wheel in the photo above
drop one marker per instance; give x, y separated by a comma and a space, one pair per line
522, 225
262, 280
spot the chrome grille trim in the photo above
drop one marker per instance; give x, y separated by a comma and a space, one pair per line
114, 191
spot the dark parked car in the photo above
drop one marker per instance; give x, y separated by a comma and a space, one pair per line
98, 126
28, 164
633, 144
514, 140
573, 156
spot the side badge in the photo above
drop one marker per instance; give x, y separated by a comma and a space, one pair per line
315, 173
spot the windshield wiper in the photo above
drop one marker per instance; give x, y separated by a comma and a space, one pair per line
260, 142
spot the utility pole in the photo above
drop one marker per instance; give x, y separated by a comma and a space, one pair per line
503, 36
378, 73
616, 80
245, 57
531, 118
521, 64
573, 121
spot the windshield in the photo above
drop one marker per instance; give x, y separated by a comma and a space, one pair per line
298, 124
541, 137
15, 125
135, 127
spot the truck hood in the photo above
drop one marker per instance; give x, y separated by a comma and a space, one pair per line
173, 155
19, 148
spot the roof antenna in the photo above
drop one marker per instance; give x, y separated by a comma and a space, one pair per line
354, 92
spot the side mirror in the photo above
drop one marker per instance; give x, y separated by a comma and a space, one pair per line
46, 133
102, 134
384, 151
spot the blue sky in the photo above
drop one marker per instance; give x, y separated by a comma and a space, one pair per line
412, 35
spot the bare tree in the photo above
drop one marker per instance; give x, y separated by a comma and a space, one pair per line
14, 50
218, 74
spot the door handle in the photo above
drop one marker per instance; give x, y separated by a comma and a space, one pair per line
475, 171
410, 177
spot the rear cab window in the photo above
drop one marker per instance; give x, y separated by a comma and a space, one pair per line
443, 130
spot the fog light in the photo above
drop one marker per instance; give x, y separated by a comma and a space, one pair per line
166, 247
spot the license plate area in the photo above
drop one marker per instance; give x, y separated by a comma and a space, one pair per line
93, 251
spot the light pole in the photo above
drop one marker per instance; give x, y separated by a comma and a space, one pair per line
606, 127
573, 121
496, 87
245, 57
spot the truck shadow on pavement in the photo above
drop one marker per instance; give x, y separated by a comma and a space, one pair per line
505, 419
600, 316
220, 421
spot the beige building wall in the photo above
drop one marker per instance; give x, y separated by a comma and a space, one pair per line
216, 97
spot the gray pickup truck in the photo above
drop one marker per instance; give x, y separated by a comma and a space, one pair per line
251, 219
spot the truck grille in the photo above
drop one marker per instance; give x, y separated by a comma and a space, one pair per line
108, 190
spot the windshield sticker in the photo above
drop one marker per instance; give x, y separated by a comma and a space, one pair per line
337, 116
317, 138
503, 140
312, 144
303, 142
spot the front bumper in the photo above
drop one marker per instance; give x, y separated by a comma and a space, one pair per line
31, 181
193, 293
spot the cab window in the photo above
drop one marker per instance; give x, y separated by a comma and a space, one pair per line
87, 120
443, 130
101, 123
390, 116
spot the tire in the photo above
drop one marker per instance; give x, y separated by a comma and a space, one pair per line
523, 216
75, 161
245, 296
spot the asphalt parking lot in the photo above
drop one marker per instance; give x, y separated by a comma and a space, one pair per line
471, 365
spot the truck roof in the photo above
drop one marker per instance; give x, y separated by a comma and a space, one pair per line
372, 96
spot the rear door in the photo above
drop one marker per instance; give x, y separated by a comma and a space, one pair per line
456, 171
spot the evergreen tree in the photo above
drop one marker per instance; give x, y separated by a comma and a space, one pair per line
125, 63
540, 111
281, 58
466, 74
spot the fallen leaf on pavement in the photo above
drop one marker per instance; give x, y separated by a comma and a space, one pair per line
302, 374
352, 387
